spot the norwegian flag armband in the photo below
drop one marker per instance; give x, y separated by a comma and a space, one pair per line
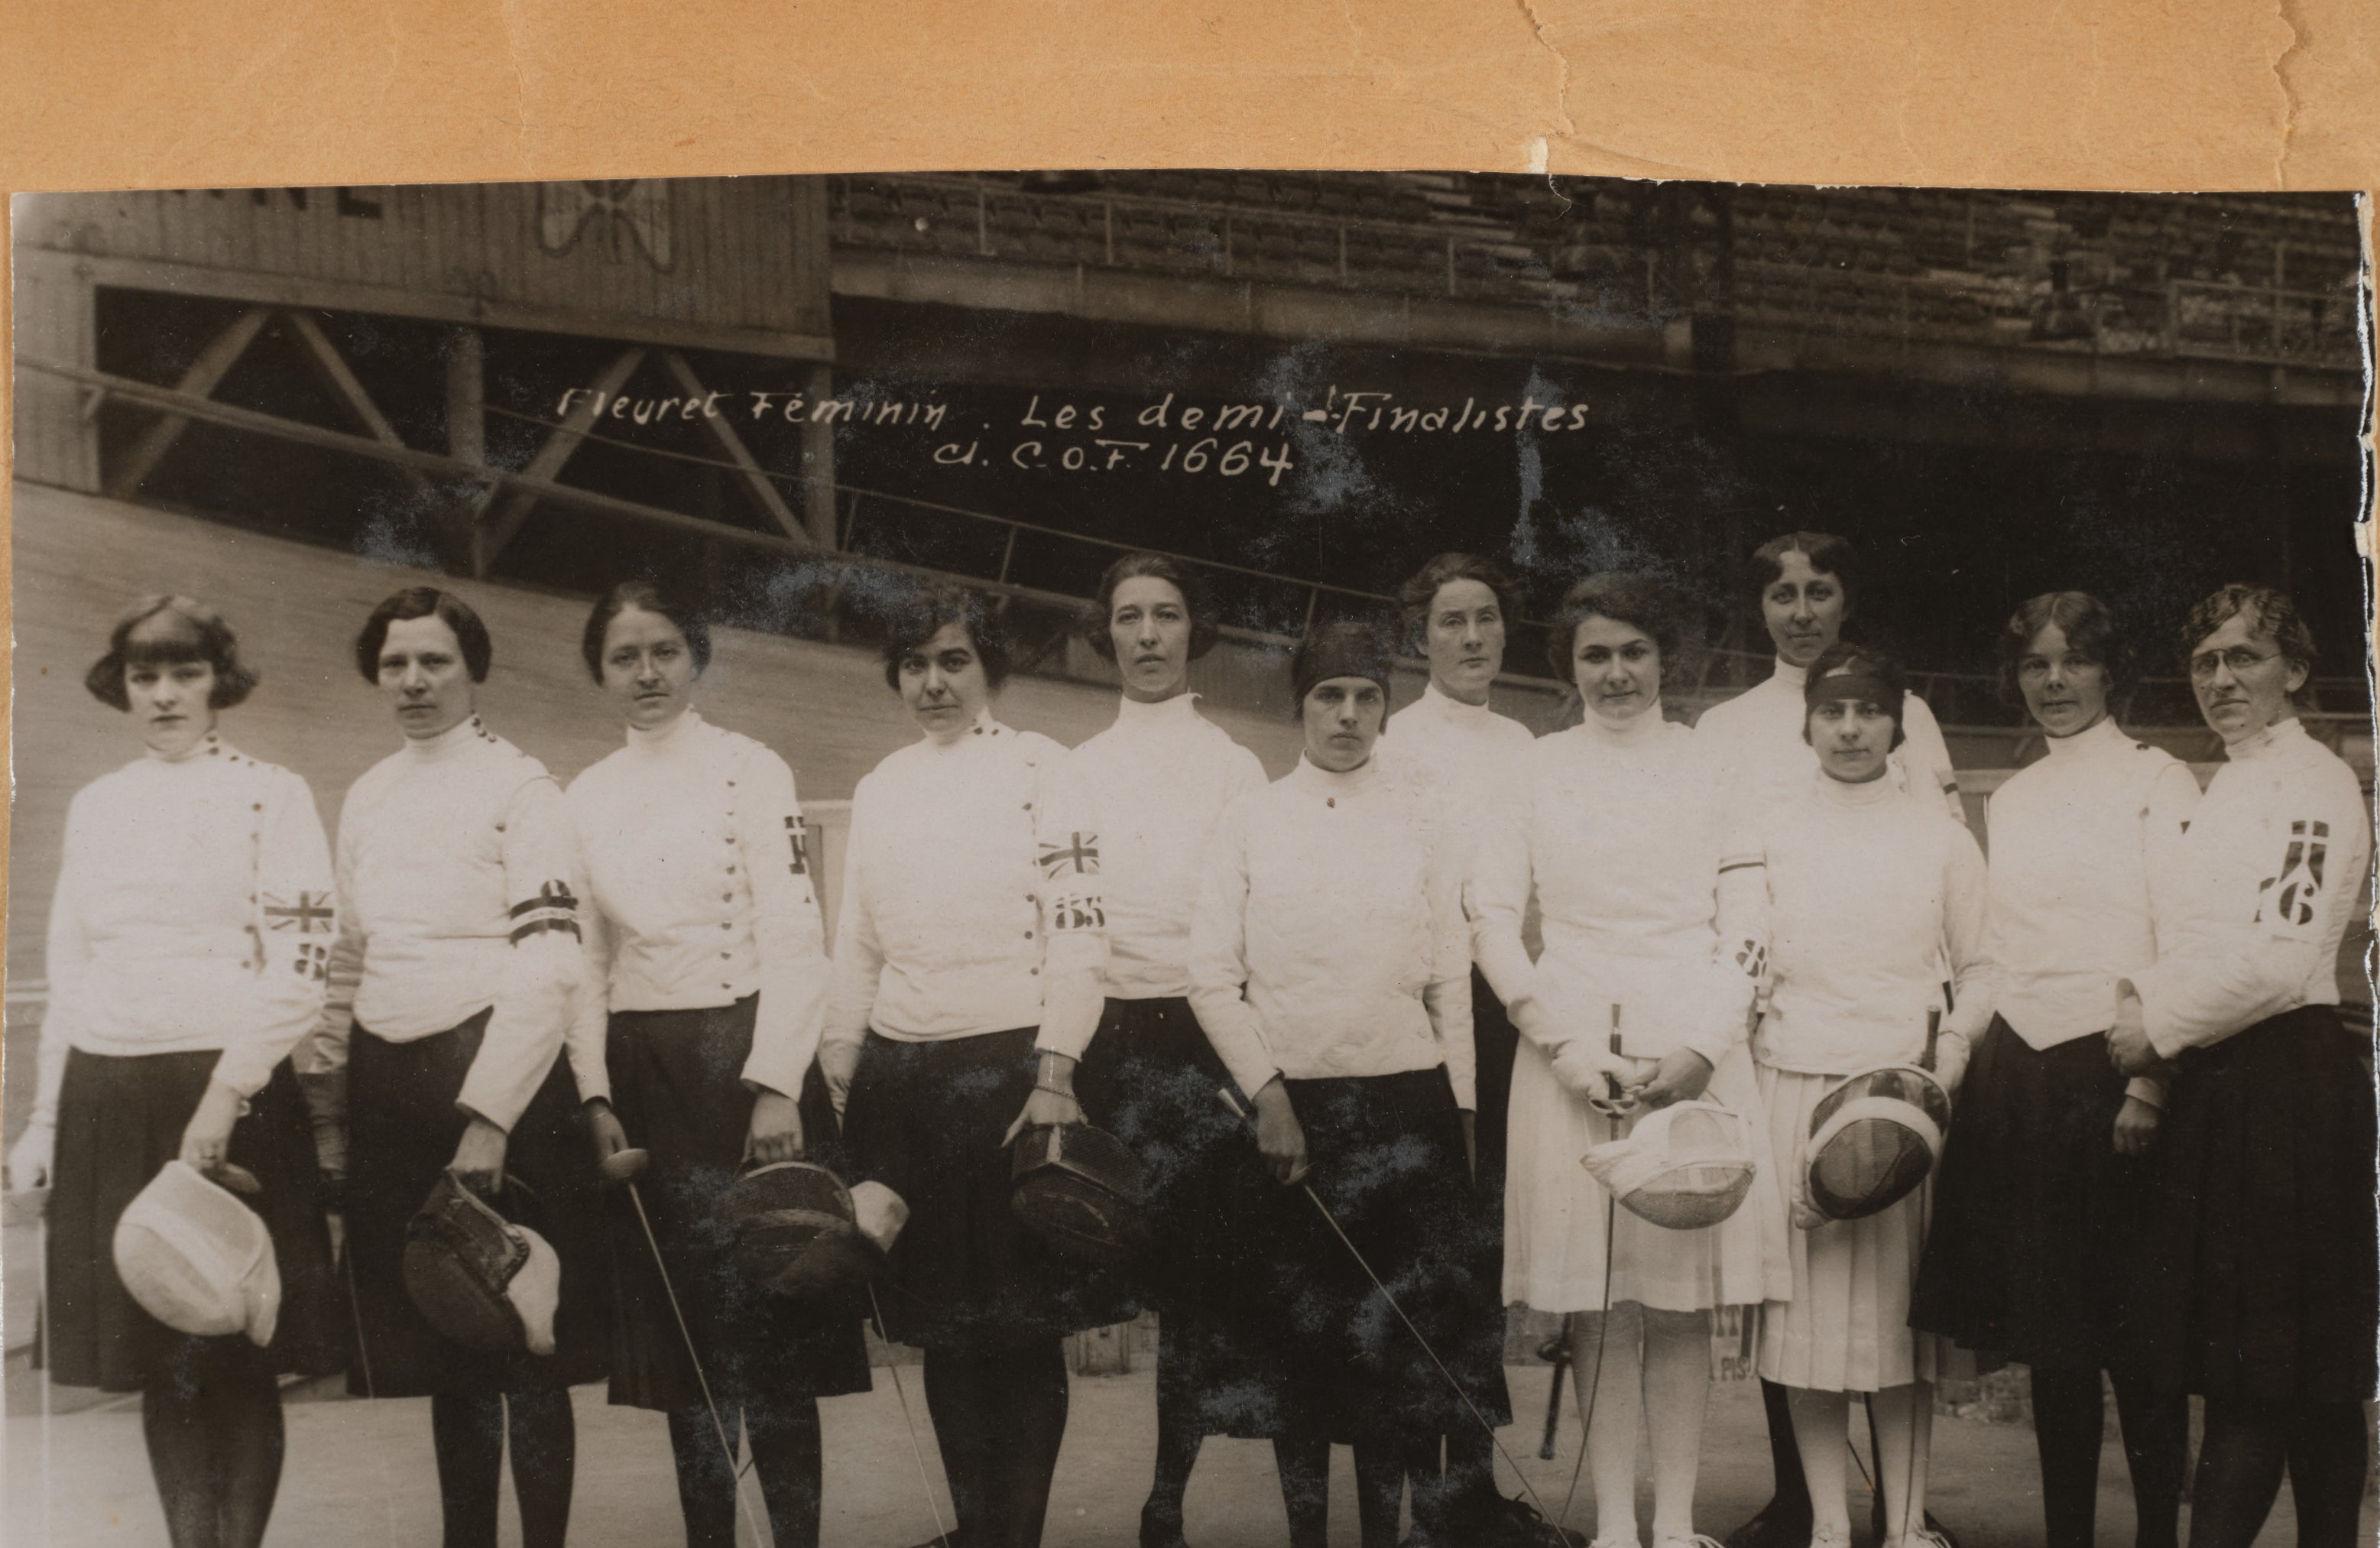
552, 908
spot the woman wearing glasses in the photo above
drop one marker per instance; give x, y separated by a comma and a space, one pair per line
2043, 1181
2257, 1279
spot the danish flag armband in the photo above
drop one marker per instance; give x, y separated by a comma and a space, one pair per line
2292, 898
552, 908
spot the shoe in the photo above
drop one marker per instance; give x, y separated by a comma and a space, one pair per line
1161, 1530
1509, 1523
953, 1538
1694, 1540
1934, 1532
1778, 1525
1925, 1537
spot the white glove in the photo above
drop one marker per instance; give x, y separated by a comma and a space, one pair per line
1951, 1056
1584, 1069
838, 1062
30, 1158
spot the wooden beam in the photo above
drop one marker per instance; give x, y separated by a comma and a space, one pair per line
200, 380
467, 441
722, 431
322, 357
501, 517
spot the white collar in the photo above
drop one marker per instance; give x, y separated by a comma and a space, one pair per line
1453, 710
1789, 676
1180, 709
456, 738
1637, 732
2094, 739
984, 730
212, 745
676, 733
1313, 777
2279, 737
1867, 792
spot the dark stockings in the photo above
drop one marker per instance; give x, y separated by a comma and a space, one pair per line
2324, 1447
468, 1432
999, 1418
2068, 1420
1791, 1495
1468, 1484
212, 1417
1181, 1431
785, 1455
1379, 1489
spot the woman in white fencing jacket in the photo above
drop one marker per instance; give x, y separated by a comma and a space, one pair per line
452, 993
1330, 965
2257, 1284
968, 952
1636, 997
1873, 902
1158, 780
2043, 1181
707, 991
185, 946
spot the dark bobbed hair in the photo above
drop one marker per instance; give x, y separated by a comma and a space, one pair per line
919, 615
1414, 598
203, 636
2088, 626
1867, 662
2277, 619
647, 597
1638, 601
425, 602
1351, 647
1827, 552
1205, 622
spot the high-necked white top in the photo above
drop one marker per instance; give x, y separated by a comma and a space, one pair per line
1330, 938
2086, 880
1875, 900
458, 891
1158, 778
971, 897
2275, 866
1469, 754
699, 871
1756, 741
194, 912
1617, 833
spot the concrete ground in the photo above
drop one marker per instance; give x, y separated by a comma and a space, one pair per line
360, 1474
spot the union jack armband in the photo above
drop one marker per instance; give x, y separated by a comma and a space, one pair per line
1079, 857
308, 912
552, 908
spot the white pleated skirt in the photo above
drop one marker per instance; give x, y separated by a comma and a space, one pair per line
1844, 1326
1556, 1214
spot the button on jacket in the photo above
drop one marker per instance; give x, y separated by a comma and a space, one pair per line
2274, 867
459, 890
971, 897
1330, 938
1160, 778
193, 911
698, 876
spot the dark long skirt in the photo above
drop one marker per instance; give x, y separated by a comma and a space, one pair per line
2257, 1271
1150, 1078
1478, 1358
1389, 1163
403, 1127
926, 1119
120, 1120
678, 1087
2038, 1219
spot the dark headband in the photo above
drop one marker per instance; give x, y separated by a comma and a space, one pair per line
1864, 686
